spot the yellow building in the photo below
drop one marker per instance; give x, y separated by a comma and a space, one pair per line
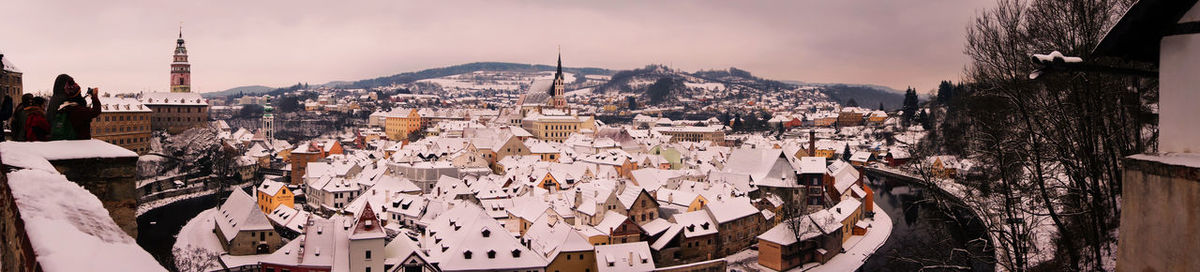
398, 124
556, 127
271, 194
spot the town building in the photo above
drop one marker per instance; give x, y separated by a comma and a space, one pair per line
715, 134
399, 123
242, 228
10, 80
311, 152
124, 122
738, 222
272, 194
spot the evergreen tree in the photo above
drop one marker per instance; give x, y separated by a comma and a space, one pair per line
846, 153
923, 119
737, 122
881, 106
945, 92
852, 103
910, 106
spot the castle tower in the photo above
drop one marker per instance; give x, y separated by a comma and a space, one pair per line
181, 71
558, 100
268, 122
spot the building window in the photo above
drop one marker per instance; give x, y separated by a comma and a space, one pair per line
368, 255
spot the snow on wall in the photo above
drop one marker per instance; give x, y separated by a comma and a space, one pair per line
68, 227
1178, 64
65, 150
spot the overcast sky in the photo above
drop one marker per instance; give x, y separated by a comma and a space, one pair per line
126, 46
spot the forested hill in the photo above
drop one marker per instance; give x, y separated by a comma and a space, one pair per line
410, 77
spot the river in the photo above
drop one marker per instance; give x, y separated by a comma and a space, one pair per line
924, 235
157, 227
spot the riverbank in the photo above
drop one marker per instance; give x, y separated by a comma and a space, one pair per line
144, 207
990, 212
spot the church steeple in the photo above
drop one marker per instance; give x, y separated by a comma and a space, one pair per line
559, 74
557, 99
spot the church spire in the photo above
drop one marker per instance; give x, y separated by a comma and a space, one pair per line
559, 73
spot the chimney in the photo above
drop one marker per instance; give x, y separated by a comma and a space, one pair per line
812, 143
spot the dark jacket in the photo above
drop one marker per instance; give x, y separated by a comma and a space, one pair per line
18, 122
80, 116
6, 111
36, 128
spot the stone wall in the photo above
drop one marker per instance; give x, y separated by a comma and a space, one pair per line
16, 253
113, 180
1160, 214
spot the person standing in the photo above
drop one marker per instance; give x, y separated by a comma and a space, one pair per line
73, 119
35, 127
5, 114
18, 120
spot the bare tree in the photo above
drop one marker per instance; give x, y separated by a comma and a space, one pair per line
193, 259
1060, 138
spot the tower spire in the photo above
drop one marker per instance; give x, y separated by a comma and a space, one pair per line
559, 73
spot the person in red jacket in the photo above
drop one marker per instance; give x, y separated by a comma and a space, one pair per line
36, 127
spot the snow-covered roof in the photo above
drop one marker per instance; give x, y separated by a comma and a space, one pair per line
121, 104
466, 238
270, 187
551, 237
176, 99
731, 209
240, 212
8, 65
656, 226
367, 226
695, 224
624, 257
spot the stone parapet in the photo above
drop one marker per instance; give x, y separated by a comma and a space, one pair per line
1160, 213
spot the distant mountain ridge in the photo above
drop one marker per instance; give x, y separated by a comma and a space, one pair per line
867, 95
252, 89
411, 77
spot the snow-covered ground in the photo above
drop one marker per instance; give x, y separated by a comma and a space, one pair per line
858, 249
198, 233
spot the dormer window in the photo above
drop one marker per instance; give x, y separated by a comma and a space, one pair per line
467, 254
516, 253
491, 254
487, 233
